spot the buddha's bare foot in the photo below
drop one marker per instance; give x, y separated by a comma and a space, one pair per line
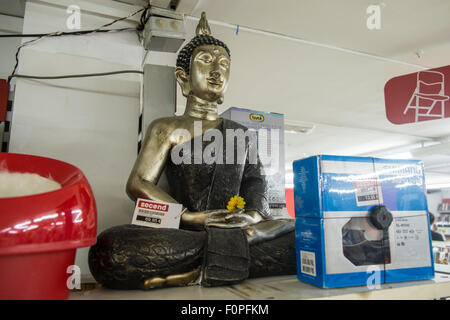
183, 279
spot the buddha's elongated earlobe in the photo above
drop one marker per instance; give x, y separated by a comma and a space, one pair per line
183, 81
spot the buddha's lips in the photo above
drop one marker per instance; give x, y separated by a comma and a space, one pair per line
214, 81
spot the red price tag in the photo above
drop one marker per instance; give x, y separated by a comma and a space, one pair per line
4, 91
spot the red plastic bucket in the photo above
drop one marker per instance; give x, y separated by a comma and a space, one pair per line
39, 234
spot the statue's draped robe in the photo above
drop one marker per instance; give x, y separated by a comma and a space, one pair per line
203, 186
214, 170
125, 256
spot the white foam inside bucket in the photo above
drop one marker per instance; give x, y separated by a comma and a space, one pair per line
15, 184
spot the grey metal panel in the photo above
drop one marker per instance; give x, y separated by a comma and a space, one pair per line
159, 94
13, 8
159, 100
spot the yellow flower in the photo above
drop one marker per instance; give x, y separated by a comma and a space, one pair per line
235, 202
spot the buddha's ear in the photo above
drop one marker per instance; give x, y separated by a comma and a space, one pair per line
183, 81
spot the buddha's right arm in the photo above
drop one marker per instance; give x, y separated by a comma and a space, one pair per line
150, 163
140, 188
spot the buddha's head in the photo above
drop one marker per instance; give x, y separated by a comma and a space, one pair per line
203, 66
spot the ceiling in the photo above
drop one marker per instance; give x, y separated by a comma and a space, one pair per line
406, 25
317, 62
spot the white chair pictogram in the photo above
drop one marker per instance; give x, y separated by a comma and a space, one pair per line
429, 93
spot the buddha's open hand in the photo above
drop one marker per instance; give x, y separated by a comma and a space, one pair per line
198, 220
220, 218
237, 219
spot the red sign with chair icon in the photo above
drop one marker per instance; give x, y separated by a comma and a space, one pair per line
420, 96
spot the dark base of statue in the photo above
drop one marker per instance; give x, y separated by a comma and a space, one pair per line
135, 257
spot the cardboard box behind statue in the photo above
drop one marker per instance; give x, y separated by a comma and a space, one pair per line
338, 241
270, 145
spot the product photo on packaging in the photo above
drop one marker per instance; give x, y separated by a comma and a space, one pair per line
355, 215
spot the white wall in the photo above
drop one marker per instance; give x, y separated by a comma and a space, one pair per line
8, 46
89, 122
92, 122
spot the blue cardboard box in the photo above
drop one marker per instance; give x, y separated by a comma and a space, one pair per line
338, 239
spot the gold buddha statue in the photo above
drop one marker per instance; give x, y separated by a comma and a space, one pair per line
214, 246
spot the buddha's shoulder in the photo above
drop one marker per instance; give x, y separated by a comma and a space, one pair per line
167, 124
170, 124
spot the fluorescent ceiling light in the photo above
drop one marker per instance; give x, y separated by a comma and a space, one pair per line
298, 127
438, 148
402, 155
438, 186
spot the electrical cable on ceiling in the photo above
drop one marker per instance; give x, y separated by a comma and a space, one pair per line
144, 17
73, 33
143, 20
85, 75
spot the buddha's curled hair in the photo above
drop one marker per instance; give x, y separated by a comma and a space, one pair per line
184, 57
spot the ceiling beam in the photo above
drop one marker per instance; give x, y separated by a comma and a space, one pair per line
102, 8
10, 24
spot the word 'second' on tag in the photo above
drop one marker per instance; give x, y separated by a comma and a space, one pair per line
157, 214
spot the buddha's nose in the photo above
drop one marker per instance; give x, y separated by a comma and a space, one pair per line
215, 74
